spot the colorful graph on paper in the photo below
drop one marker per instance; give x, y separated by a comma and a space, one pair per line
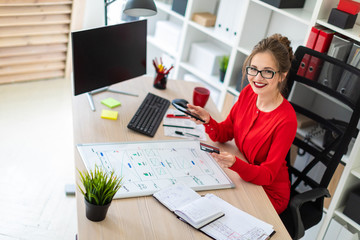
147, 167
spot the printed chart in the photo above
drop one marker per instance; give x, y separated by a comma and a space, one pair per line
149, 166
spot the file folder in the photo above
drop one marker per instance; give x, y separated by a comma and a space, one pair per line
314, 33
349, 84
330, 74
222, 27
322, 45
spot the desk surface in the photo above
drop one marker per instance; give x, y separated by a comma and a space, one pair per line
144, 217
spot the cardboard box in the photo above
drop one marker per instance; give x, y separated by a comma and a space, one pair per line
179, 6
204, 18
168, 33
352, 209
205, 57
342, 19
286, 3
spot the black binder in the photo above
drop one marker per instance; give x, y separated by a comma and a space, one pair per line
349, 84
330, 74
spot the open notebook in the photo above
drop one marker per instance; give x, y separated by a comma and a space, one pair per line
212, 215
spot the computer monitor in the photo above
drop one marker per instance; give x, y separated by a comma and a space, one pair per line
107, 55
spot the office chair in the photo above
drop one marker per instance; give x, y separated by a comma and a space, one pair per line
315, 163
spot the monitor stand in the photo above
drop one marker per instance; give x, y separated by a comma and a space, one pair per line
89, 95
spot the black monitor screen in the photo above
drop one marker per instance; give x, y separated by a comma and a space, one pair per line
108, 55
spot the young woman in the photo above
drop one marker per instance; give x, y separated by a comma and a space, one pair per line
262, 123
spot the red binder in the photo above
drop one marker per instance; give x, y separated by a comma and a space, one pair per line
314, 33
322, 45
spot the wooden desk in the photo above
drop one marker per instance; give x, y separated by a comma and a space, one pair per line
144, 217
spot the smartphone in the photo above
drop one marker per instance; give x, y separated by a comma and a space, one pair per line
209, 148
187, 112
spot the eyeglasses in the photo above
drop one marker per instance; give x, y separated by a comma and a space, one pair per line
267, 74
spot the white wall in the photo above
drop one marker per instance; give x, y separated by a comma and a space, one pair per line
94, 14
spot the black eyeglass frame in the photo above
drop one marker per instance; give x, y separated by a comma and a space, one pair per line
261, 72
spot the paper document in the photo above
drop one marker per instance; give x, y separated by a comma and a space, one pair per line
182, 127
236, 224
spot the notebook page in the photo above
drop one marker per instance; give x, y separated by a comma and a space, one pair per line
176, 196
236, 224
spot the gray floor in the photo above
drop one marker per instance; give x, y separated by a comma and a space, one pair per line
36, 161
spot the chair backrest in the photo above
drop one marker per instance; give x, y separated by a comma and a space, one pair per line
327, 94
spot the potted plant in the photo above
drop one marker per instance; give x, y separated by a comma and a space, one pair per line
224, 61
99, 189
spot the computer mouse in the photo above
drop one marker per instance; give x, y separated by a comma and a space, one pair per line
182, 102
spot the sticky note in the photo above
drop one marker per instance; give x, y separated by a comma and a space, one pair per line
109, 114
110, 102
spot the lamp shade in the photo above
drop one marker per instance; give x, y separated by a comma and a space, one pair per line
139, 8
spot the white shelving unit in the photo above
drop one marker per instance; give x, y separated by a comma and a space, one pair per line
255, 20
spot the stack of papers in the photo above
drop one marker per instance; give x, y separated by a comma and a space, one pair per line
182, 126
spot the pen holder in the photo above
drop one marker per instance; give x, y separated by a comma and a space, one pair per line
160, 80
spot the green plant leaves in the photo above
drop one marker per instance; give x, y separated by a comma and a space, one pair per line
224, 61
99, 186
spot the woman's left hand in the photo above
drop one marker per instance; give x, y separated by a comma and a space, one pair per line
224, 159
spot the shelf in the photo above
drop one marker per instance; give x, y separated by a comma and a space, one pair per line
211, 80
353, 33
167, 9
244, 51
356, 172
233, 91
212, 32
340, 214
334, 100
162, 46
298, 14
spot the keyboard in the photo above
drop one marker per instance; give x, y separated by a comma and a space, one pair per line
149, 115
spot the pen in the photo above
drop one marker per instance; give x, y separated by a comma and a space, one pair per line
181, 133
176, 116
165, 125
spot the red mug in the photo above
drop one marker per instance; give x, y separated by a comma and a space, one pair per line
200, 96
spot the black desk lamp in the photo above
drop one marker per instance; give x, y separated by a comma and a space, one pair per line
140, 8
134, 8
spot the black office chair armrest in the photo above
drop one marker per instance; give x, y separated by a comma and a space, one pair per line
297, 201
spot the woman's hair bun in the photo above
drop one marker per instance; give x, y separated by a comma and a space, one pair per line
286, 42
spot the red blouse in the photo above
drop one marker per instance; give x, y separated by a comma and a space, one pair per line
264, 138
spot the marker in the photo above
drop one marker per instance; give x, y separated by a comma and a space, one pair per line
165, 125
177, 116
181, 133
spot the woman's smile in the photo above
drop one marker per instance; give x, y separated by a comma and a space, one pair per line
259, 84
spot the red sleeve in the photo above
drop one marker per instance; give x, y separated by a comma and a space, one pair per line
221, 132
267, 171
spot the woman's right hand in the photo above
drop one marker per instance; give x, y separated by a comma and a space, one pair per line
203, 114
